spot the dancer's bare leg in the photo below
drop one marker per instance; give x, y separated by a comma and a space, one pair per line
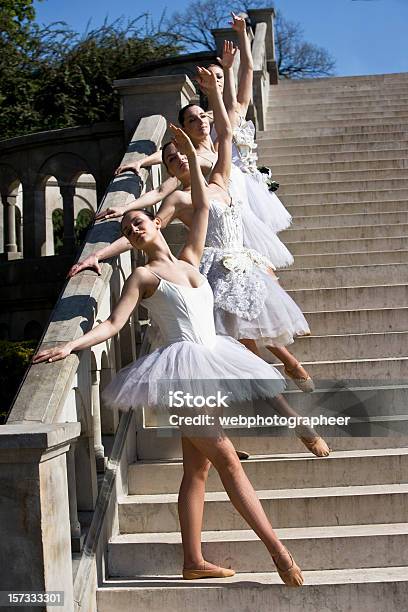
281, 352
309, 436
191, 503
221, 452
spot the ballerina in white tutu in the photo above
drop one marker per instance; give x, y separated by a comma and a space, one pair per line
180, 300
264, 204
249, 304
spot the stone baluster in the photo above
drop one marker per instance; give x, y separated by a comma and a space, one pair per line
96, 416
73, 505
9, 203
67, 193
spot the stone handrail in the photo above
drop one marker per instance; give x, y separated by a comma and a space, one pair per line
261, 76
43, 456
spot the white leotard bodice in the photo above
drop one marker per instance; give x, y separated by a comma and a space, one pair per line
183, 313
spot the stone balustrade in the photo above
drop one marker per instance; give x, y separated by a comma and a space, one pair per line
51, 448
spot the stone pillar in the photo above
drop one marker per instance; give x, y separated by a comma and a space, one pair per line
221, 34
96, 419
267, 15
73, 505
67, 193
9, 203
157, 95
34, 221
35, 534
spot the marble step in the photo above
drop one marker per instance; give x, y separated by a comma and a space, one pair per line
324, 165
350, 259
354, 245
341, 468
372, 193
354, 141
320, 548
349, 124
335, 186
340, 178
371, 127
347, 371
351, 298
358, 320
306, 507
345, 208
345, 150
360, 218
280, 159
340, 276
379, 589
330, 109
371, 345
163, 443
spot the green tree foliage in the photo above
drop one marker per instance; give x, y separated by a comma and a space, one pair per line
83, 222
58, 230
54, 77
14, 359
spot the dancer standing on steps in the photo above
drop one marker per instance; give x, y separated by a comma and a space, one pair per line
250, 304
180, 299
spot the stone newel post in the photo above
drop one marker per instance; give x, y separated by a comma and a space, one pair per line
157, 95
35, 534
267, 15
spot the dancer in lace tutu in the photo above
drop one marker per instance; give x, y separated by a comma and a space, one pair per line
265, 205
180, 300
249, 302
266, 316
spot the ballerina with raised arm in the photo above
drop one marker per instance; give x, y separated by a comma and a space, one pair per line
264, 204
273, 320
180, 300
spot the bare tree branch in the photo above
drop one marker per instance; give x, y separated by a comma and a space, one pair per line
295, 57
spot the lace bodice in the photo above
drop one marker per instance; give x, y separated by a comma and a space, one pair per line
225, 225
243, 146
182, 313
233, 271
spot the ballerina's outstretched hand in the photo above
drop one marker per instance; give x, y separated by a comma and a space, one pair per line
182, 141
207, 81
229, 52
238, 23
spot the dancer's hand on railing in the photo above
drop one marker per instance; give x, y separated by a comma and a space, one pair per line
182, 141
238, 23
206, 79
90, 263
229, 52
135, 167
54, 354
110, 213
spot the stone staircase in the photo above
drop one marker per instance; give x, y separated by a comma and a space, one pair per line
339, 149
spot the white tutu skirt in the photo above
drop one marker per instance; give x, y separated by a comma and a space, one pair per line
258, 233
249, 302
266, 204
227, 367
278, 323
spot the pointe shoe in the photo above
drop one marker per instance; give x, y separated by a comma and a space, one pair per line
304, 384
242, 454
315, 445
196, 574
293, 575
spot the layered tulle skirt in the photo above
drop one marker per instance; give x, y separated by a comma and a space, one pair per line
249, 303
226, 368
262, 217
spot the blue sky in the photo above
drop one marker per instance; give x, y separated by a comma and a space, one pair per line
365, 37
